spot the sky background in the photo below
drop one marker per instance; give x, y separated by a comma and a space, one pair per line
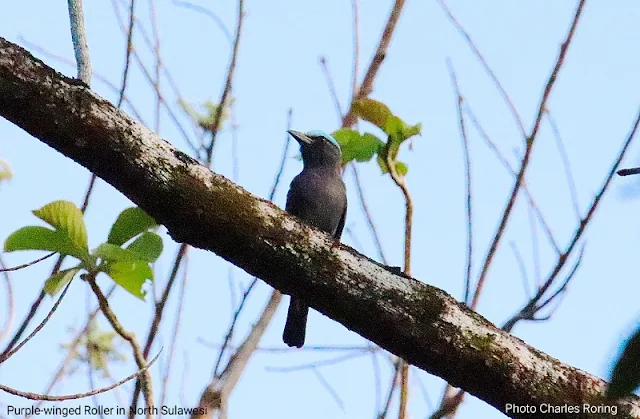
594, 103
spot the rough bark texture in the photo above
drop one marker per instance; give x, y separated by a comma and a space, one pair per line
415, 321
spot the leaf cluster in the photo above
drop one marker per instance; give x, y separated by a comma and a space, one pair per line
363, 147
125, 257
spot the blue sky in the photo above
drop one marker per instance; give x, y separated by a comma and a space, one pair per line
594, 102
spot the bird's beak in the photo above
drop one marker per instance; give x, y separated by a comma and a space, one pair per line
300, 137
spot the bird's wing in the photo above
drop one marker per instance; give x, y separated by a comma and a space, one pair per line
338, 232
296, 199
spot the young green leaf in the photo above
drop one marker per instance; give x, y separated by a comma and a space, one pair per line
56, 282
626, 374
148, 246
131, 276
357, 147
401, 168
372, 111
394, 126
131, 222
65, 216
112, 253
411, 130
42, 238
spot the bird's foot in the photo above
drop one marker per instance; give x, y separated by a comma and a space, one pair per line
336, 243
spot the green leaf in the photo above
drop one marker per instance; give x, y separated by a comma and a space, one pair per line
131, 276
148, 246
626, 374
42, 238
356, 146
401, 168
112, 253
411, 130
65, 216
394, 126
131, 222
372, 111
56, 282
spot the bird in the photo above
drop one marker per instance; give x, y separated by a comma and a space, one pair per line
317, 196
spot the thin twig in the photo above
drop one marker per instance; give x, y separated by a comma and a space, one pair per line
25, 323
467, 173
216, 394
174, 333
332, 392
400, 181
11, 308
318, 364
505, 163
49, 398
215, 126
527, 155
565, 163
367, 215
158, 65
79, 39
39, 327
376, 62
521, 266
158, 314
147, 384
484, 63
283, 159
71, 348
533, 307
203, 10
397, 366
535, 252
356, 47
234, 321
331, 85
150, 78
26, 265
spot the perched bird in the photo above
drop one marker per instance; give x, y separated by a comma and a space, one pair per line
319, 197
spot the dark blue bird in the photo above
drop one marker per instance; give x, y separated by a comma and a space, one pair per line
317, 196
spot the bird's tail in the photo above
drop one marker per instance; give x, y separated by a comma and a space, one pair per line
296, 326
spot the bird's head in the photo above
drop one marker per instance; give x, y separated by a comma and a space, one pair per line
318, 149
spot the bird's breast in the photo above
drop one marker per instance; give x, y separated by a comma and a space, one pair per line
318, 198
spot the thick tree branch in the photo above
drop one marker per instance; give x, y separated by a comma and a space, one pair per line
415, 321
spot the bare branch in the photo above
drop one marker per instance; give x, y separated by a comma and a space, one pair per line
484, 63
147, 385
48, 398
203, 10
367, 84
46, 319
10, 304
26, 265
565, 162
467, 173
332, 87
79, 38
228, 84
527, 155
